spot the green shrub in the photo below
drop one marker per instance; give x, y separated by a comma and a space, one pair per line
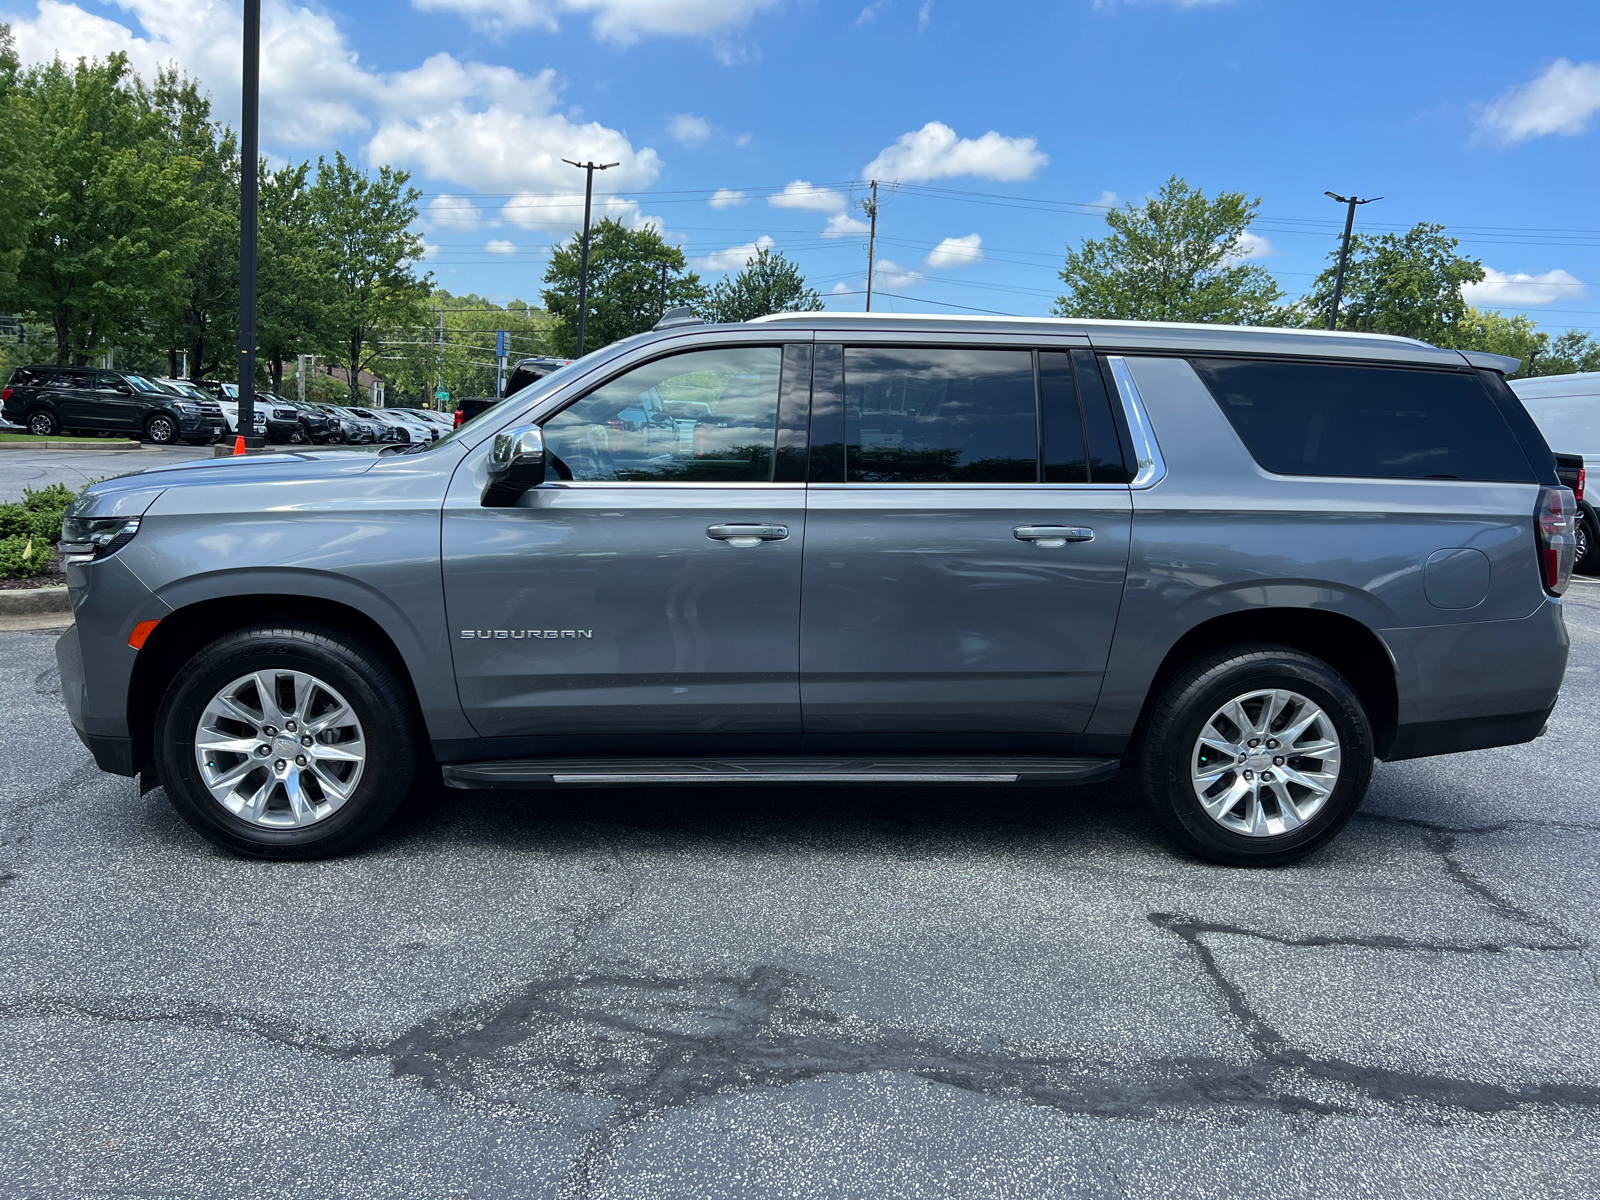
54, 498
15, 521
22, 557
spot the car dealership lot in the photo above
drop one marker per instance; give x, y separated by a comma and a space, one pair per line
803, 992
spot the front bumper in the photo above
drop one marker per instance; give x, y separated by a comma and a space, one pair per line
112, 752
201, 425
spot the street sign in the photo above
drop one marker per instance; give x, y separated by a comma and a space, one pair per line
500, 344
442, 396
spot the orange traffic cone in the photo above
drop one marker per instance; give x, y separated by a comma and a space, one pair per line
238, 444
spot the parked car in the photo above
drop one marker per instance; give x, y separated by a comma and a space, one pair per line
1567, 410
384, 431
438, 422
529, 371
850, 549
47, 400
414, 430
317, 425
227, 397
468, 407
353, 429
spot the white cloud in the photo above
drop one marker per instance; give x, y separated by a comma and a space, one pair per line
1106, 199
311, 95
1252, 245
744, 139
842, 224
500, 246
1502, 289
621, 21
893, 276
429, 250
564, 211
1559, 101
955, 252
493, 129
688, 130
869, 14
802, 195
935, 152
457, 212
841, 289
726, 198
924, 15
734, 257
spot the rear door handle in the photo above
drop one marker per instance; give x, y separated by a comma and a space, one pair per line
1051, 536
747, 535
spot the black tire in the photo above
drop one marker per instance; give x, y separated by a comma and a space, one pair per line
1166, 756
42, 423
161, 429
1586, 560
301, 435
380, 701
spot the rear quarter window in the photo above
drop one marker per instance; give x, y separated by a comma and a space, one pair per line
1374, 422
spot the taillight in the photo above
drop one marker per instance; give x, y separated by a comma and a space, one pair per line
460, 417
1577, 492
1557, 536
5, 395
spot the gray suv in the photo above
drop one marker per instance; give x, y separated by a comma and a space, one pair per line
823, 548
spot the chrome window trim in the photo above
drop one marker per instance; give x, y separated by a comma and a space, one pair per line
663, 483
1151, 467
973, 487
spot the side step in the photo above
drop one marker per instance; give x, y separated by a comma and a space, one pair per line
638, 772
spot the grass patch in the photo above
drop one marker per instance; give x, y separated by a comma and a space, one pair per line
94, 441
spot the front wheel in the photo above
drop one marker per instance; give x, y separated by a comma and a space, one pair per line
1256, 756
286, 742
161, 429
43, 423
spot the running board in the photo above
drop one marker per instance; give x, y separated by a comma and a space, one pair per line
637, 772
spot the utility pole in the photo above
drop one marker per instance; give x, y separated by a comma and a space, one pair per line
438, 383
250, 155
663, 289
1344, 250
870, 207
1533, 355
583, 269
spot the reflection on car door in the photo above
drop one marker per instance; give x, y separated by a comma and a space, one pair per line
652, 584
964, 558
73, 395
117, 405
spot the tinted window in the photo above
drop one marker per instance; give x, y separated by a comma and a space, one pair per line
1372, 422
1107, 463
940, 416
708, 415
1065, 458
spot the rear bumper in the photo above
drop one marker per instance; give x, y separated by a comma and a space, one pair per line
1476, 685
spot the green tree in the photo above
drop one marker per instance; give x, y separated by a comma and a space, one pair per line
366, 223
1177, 257
295, 299
20, 191
106, 258
768, 283
1519, 336
1568, 354
1406, 284
624, 285
454, 348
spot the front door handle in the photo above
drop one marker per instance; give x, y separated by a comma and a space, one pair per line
747, 535
1051, 536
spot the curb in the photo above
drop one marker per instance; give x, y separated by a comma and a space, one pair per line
26, 602
96, 444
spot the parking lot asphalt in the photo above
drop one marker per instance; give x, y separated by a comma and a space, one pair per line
75, 468
804, 993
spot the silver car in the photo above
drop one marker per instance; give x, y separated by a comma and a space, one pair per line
819, 548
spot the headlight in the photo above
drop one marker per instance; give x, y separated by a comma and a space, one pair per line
88, 539
182, 406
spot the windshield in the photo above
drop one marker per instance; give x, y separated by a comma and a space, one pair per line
143, 384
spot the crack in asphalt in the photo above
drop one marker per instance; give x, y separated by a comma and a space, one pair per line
1382, 1083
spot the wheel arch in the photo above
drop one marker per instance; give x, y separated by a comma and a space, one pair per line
186, 630
1341, 641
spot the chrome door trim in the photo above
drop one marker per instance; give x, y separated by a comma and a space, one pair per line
974, 487
1152, 468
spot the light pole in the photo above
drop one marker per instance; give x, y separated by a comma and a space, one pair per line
250, 153
1344, 251
583, 269
870, 207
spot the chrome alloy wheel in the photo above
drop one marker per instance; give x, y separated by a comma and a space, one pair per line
1265, 763
280, 749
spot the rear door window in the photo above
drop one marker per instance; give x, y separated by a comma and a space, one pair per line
1376, 422
940, 416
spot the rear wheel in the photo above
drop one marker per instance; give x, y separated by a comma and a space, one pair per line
161, 429
1256, 756
1586, 558
42, 423
287, 742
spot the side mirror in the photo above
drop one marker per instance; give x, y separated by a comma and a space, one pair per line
516, 463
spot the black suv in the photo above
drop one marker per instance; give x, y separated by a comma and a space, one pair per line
47, 400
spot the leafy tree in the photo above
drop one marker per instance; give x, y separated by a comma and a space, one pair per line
768, 283
1174, 258
365, 222
1520, 337
20, 193
415, 360
295, 299
106, 257
624, 285
207, 323
1568, 354
1407, 284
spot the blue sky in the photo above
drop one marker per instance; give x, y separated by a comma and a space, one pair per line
1006, 125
